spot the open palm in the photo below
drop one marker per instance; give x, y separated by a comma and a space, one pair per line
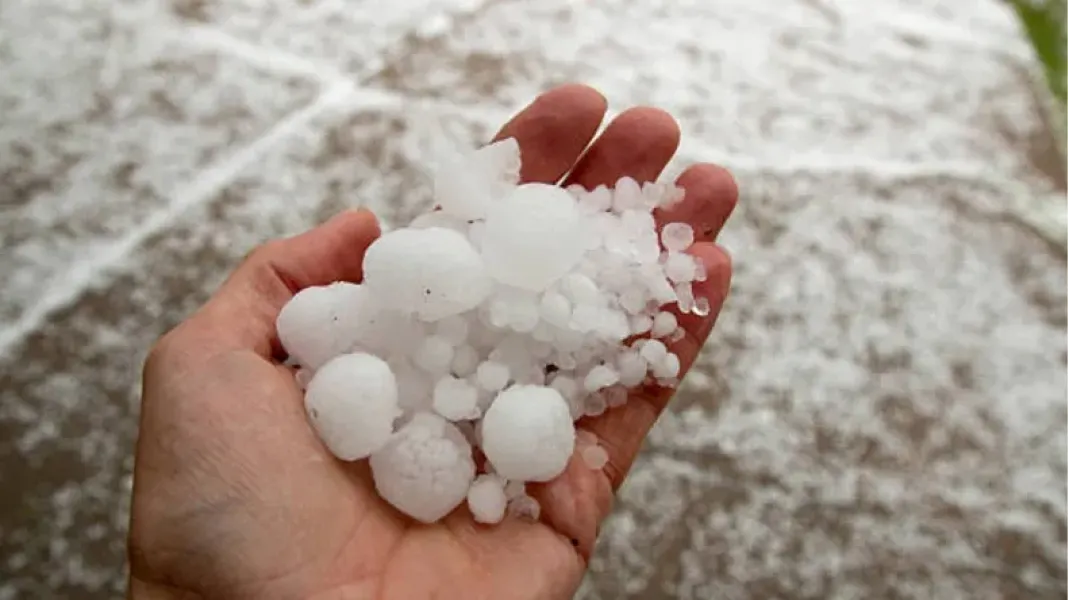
235, 497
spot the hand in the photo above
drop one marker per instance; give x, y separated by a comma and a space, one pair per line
235, 497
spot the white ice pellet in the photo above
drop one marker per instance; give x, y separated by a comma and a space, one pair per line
322, 322
352, 402
617, 275
596, 404
680, 267
667, 367
672, 196
632, 368
524, 316
543, 332
598, 200
514, 489
455, 399
627, 195
500, 313
528, 433
653, 351
584, 437
585, 318
595, 457
486, 499
613, 325
492, 376
555, 309
701, 271
684, 293
640, 324
637, 223
676, 237
663, 324
653, 193
425, 469
702, 307
599, 377
465, 360
676, 335
580, 289
632, 300
532, 237
434, 355
660, 288
432, 273
524, 507
567, 386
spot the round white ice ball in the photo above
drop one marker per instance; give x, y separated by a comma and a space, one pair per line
425, 469
487, 499
533, 237
433, 273
321, 322
527, 433
352, 402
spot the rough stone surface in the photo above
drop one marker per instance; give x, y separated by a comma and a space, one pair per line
881, 412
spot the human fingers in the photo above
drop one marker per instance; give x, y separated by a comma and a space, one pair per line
554, 130
710, 197
638, 143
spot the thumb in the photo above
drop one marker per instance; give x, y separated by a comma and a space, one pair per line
243, 311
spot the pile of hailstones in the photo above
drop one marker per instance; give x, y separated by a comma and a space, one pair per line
493, 323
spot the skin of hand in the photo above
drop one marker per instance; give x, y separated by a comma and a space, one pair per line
235, 497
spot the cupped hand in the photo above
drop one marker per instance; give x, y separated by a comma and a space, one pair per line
235, 497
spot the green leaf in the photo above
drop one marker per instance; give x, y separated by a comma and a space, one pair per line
1044, 23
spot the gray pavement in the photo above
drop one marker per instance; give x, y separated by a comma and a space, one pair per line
881, 412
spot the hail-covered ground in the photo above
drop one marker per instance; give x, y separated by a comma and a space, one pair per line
879, 413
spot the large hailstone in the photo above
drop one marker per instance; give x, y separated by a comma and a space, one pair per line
321, 322
352, 403
528, 434
425, 469
533, 237
466, 189
433, 273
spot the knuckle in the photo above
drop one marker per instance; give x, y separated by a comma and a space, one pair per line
264, 253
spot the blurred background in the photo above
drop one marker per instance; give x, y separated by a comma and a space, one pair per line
881, 412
